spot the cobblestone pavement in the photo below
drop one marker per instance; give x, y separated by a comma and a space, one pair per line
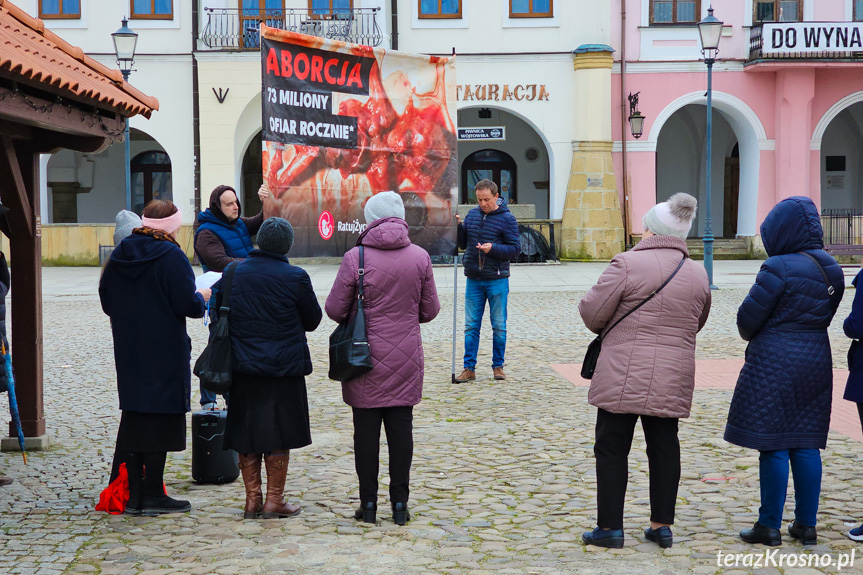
503, 476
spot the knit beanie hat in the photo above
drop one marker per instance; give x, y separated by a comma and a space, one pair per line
126, 222
384, 205
673, 217
170, 224
276, 235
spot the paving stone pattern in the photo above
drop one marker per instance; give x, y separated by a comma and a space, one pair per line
503, 476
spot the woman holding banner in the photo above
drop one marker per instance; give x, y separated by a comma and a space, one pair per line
400, 293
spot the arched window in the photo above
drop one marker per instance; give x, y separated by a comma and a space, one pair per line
151, 179
494, 165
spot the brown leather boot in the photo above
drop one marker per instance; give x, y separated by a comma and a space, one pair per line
466, 375
250, 467
499, 374
277, 473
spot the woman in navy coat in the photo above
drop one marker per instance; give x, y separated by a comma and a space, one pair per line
781, 404
148, 291
854, 388
272, 306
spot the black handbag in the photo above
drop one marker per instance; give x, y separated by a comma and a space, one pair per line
350, 355
588, 366
213, 368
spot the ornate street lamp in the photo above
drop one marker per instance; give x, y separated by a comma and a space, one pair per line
636, 120
710, 30
125, 41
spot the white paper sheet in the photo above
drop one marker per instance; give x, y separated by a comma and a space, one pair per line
207, 279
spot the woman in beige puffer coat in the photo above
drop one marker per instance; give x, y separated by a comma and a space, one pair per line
647, 365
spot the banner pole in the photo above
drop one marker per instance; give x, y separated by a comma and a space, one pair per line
454, 303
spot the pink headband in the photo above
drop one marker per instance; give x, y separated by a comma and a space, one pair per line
170, 224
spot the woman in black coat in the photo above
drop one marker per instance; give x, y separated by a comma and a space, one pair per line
148, 291
272, 307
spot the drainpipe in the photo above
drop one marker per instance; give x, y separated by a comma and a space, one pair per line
623, 120
394, 44
196, 111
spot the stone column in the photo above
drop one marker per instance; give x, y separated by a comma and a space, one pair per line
592, 221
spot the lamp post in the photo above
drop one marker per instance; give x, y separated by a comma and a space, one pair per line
710, 30
125, 41
636, 120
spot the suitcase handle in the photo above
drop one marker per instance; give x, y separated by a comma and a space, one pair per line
209, 419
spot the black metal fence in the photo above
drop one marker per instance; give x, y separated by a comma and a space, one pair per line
538, 242
238, 29
842, 227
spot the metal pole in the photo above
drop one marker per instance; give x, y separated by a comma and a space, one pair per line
708, 220
454, 305
128, 150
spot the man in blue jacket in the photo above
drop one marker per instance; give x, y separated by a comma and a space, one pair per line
222, 237
489, 236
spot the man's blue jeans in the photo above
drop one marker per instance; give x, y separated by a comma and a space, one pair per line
806, 470
476, 294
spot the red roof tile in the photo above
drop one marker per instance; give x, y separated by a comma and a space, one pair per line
28, 50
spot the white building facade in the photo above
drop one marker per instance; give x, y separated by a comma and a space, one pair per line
534, 97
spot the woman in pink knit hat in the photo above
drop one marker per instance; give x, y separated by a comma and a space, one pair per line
148, 291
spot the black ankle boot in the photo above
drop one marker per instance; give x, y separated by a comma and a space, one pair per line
760, 533
366, 512
804, 533
135, 473
401, 515
159, 505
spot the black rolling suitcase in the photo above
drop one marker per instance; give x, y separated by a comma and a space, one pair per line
211, 463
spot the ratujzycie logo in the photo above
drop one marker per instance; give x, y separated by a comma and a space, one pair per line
326, 225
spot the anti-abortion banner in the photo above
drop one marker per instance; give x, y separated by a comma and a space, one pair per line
342, 122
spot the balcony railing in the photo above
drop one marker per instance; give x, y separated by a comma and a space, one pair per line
237, 29
810, 39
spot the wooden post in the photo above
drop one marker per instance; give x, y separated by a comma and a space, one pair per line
19, 184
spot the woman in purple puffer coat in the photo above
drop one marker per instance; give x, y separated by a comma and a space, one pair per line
400, 294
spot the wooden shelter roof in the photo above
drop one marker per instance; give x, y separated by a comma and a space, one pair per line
41, 58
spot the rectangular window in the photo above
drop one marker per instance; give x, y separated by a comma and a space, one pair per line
531, 8
54, 9
152, 9
326, 7
675, 11
858, 10
778, 11
440, 8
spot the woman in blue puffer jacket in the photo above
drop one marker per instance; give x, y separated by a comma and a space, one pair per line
781, 404
854, 388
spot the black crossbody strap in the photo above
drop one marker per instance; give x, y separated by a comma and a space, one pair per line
361, 272
648, 298
830, 290
227, 284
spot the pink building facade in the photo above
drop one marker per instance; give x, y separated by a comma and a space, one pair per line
788, 107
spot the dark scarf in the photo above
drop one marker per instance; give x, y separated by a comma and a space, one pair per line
160, 235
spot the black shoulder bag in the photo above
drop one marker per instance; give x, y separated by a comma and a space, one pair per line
830, 290
588, 366
214, 366
350, 355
